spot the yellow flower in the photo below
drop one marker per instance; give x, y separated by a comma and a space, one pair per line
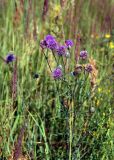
99, 90
111, 45
107, 35
57, 9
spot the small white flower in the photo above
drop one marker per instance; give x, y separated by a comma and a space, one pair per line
92, 109
67, 54
60, 66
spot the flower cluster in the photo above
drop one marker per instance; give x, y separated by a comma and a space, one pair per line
50, 42
80, 67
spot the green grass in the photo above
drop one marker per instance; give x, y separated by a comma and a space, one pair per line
62, 120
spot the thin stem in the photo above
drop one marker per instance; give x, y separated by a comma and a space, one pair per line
55, 57
63, 65
47, 61
71, 119
51, 71
2, 58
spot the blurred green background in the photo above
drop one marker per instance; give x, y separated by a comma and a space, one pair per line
64, 120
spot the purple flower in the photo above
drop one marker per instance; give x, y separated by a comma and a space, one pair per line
49, 37
69, 43
10, 58
83, 55
52, 44
49, 42
61, 50
88, 68
57, 73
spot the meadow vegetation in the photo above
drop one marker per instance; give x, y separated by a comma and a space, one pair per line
56, 80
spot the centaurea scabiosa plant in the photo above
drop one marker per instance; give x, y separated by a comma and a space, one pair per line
60, 53
72, 88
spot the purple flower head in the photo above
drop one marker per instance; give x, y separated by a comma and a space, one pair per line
61, 50
57, 73
10, 58
49, 42
83, 55
88, 68
52, 44
49, 37
69, 43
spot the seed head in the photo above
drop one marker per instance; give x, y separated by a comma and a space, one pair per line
88, 68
